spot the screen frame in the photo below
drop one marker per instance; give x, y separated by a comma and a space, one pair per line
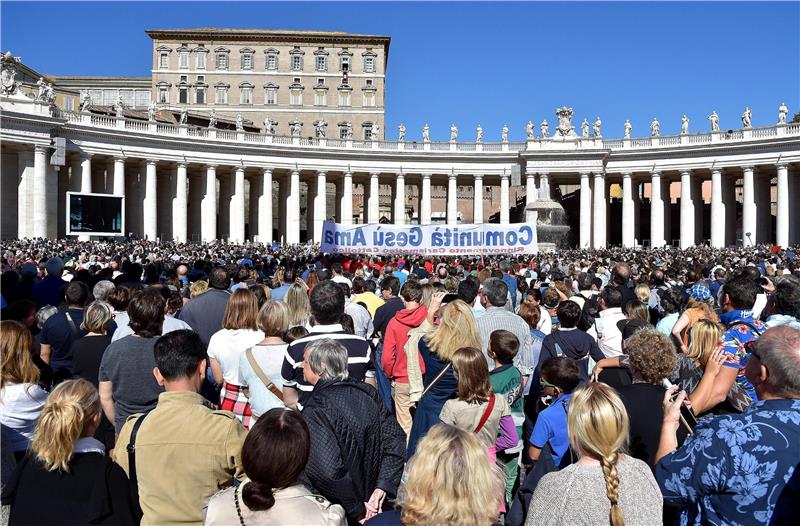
69, 231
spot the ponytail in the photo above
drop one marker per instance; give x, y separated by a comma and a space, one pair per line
609, 463
68, 412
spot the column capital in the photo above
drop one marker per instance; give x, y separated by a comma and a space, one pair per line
750, 167
210, 166
716, 170
655, 173
507, 175
120, 158
182, 164
266, 171
686, 172
41, 148
400, 175
452, 175
782, 165
627, 175
584, 174
240, 168
426, 175
478, 176
151, 161
322, 173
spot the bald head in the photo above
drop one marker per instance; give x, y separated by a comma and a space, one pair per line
774, 367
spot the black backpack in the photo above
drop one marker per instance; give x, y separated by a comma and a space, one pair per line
589, 312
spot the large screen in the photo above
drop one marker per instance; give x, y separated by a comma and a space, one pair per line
95, 214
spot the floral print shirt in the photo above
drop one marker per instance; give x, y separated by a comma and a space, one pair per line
734, 467
739, 331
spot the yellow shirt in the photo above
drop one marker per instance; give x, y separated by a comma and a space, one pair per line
370, 300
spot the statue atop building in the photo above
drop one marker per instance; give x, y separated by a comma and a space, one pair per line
746, 118
376, 132
212, 119
655, 128
426, 133
86, 104
453, 132
239, 122
184, 116
151, 112
479, 134
596, 126
684, 124
545, 129
320, 129
714, 118
504, 134
565, 127
628, 129
9, 85
401, 133
119, 107
585, 129
783, 111
295, 128
269, 126
529, 131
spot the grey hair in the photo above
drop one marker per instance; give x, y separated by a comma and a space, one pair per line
779, 351
102, 289
496, 291
44, 313
327, 358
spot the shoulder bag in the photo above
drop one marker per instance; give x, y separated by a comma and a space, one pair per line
134, 481
261, 376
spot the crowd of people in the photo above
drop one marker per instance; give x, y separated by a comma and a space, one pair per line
220, 384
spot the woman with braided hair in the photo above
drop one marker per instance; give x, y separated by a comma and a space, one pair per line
605, 486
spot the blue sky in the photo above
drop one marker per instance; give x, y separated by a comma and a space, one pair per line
487, 63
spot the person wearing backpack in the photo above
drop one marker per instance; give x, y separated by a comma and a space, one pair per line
559, 378
570, 341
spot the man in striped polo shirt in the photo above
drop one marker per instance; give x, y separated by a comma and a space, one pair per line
327, 309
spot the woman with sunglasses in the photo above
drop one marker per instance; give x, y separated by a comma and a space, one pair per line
559, 377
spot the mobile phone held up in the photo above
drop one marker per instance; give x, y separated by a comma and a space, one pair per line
688, 419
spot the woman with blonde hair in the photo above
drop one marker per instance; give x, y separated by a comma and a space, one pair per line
698, 308
239, 332
613, 488
20, 395
68, 479
197, 288
297, 301
449, 481
642, 292
456, 328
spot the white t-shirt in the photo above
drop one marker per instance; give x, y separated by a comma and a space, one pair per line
270, 359
227, 345
21, 405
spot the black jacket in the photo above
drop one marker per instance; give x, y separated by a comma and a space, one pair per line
356, 445
94, 491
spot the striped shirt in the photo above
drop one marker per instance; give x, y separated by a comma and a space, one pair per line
497, 318
359, 358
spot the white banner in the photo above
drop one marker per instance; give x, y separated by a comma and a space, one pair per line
440, 240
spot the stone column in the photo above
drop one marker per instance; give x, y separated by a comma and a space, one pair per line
39, 188
656, 211
265, 207
530, 198
118, 186
283, 201
150, 207
425, 201
293, 209
236, 211
585, 234
399, 216
86, 173
505, 200
347, 199
108, 187
687, 210
748, 207
599, 210
179, 205
782, 212
338, 196
477, 199
452, 199
311, 192
25, 164
208, 225
320, 205
75, 174
373, 202
717, 210
628, 221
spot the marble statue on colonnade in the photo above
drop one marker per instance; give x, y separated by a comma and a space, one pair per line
628, 129
529, 131
376, 132
596, 126
119, 107
684, 124
269, 126
714, 118
545, 128
426, 133
184, 116
86, 105
565, 128
453, 132
479, 134
212, 119
504, 133
319, 128
295, 128
239, 122
151, 112
655, 128
746, 118
783, 111
9, 85
401, 133
585, 129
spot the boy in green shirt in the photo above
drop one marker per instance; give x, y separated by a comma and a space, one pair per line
508, 381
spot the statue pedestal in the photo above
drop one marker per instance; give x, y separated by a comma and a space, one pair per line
183, 130
780, 129
747, 133
715, 136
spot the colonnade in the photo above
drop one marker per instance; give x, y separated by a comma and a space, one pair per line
190, 201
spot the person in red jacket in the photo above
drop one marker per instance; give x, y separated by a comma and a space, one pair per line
393, 357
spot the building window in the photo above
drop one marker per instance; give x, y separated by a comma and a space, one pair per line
369, 64
142, 99
369, 100
296, 97
369, 83
183, 60
222, 61
368, 133
344, 131
345, 65
247, 61
184, 78
127, 97
163, 95
109, 97
222, 95
183, 95
271, 98
319, 98
272, 62
322, 63
201, 60
344, 98
200, 95
246, 95
69, 104
163, 60
201, 79
297, 63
